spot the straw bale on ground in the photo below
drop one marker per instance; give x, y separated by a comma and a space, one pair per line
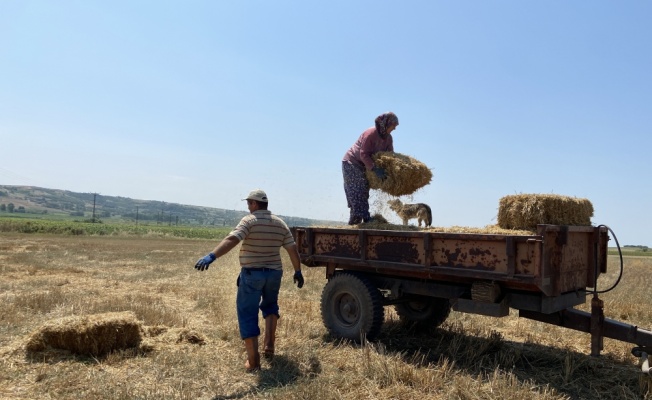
526, 211
93, 335
405, 175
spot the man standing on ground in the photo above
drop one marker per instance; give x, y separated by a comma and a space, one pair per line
262, 234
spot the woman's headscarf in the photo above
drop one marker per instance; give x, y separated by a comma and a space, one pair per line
383, 121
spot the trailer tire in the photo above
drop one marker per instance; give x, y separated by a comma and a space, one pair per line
423, 313
352, 308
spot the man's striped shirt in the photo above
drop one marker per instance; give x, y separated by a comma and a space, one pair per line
262, 235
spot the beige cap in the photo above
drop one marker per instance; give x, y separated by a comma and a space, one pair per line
258, 195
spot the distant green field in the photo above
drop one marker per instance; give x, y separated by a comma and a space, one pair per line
70, 227
631, 251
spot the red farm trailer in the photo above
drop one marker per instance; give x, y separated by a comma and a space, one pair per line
425, 274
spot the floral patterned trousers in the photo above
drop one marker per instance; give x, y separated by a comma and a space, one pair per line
356, 187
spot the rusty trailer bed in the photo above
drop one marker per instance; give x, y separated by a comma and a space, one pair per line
555, 260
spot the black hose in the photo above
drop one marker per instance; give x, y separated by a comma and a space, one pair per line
620, 275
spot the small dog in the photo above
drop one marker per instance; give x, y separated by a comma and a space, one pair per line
420, 211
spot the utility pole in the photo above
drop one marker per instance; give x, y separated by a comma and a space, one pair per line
136, 215
94, 196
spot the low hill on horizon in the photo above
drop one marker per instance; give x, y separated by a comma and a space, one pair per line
64, 203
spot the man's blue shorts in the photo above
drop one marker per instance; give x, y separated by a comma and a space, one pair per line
258, 289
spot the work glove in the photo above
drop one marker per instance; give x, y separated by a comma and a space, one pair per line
298, 279
380, 173
204, 262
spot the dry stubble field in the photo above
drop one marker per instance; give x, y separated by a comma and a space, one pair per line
191, 348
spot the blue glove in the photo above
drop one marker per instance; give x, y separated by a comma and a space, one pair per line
380, 173
203, 263
298, 279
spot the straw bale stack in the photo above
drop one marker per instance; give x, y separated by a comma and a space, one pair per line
526, 211
93, 335
405, 175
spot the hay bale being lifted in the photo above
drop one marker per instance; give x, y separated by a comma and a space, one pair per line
526, 211
405, 175
93, 335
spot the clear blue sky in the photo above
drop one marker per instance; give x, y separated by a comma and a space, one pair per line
197, 102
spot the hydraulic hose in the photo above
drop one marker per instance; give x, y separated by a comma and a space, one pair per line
620, 274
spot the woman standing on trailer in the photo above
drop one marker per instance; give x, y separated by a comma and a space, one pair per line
358, 159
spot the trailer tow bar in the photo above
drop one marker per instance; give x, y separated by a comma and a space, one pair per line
597, 325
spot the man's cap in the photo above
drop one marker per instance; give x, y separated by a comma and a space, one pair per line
258, 195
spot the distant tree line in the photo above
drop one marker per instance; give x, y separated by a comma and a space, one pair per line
11, 208
641, 248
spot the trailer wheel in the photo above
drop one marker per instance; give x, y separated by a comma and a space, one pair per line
351, 307
424, 313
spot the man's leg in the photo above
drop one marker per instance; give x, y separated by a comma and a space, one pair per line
253, 357
270, 335
247, 300
270, 310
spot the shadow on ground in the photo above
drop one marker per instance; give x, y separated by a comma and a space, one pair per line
282, 371
576, 375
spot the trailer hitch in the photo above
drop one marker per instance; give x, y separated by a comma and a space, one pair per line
642, 353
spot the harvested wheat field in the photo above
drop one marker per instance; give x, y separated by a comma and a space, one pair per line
183, 340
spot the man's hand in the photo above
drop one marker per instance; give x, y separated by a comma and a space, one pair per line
380, 173
203, 263
298, 279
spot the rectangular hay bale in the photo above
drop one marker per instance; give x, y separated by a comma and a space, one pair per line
526, 211
93, 335
405, 174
